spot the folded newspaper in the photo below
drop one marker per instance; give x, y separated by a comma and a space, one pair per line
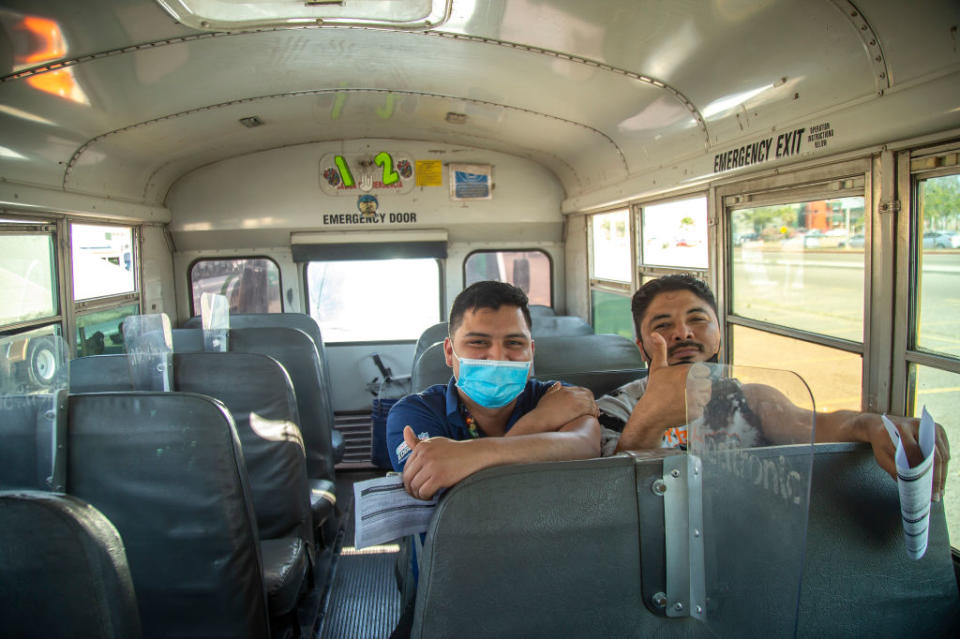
915, 484
383, 511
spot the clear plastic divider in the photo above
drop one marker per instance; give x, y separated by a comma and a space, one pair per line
215, 316
149, 344
34, 379
750, 457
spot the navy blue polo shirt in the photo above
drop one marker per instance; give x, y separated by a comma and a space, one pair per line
436, 413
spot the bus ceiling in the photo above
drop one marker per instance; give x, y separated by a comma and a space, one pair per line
613, 99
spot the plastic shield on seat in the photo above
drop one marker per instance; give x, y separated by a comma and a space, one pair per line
33, 391
215, 315
750, 455
149, 344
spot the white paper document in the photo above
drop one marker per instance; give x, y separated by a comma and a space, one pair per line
915, 485
383, 511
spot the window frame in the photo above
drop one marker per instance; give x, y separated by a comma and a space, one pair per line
852, 178
33, 225
463, 266
644, 269
913, 166
79, 308
69, 309
601, 284
441, 263
230, 258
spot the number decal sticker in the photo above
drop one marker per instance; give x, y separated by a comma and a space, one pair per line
345, 173
385, 161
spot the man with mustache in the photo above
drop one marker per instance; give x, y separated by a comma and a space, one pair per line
676, 325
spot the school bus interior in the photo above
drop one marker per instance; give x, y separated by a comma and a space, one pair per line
337, 172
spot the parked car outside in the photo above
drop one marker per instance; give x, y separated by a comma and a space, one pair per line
941, 239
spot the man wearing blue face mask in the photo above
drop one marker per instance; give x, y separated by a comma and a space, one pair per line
491, 412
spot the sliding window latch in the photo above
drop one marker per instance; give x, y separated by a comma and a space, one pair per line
891, 206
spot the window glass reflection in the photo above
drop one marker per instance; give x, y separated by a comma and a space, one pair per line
251, 285
528, 270
834, 376
101, 332
801, 265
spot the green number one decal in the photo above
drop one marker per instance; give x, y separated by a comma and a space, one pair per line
384, 160
345, 173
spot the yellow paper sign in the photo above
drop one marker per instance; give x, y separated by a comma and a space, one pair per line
429, 173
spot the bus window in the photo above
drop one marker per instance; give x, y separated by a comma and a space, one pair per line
674, 234
796, 287
102, 260
610, 272
528, 270
933, 353
787, 258
938, 250
100, 332
251, 284
374, 300
832, 374
27, 275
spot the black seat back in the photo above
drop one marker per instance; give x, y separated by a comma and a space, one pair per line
434, 334
539, 310
553, 548
578, 549
598, 362
559, 326
258, 392
166, 469
300, 321
297, 354
64, 570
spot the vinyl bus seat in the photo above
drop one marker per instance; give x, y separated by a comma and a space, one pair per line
429, 337
539, 310
296, 353
65, 572
577, 549
258, 392
598, 362
166, 469
536, 550
300, 321
559, 326
601, 363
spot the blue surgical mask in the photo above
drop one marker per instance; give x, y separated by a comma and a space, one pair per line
492, 383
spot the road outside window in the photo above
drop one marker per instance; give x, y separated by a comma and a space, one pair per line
797, 265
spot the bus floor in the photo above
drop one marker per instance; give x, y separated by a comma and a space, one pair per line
362, 600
